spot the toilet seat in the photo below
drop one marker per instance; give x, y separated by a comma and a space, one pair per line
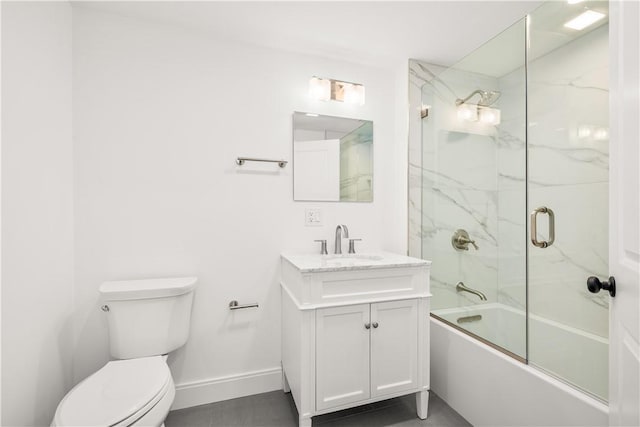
118, 394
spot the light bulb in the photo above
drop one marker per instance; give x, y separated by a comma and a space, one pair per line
489, 116
601, 134
320, 89
467, 113
585, 19
584, 131
353, 93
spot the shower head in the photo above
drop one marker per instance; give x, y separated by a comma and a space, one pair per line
487, 97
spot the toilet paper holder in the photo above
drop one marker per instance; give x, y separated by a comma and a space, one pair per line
233, 305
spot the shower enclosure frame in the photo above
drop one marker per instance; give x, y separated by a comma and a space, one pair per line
419, 73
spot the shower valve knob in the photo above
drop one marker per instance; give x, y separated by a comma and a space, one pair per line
594, 285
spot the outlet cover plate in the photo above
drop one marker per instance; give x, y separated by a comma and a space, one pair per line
313, 217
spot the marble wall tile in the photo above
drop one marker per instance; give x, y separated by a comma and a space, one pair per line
454, 168
558, 274
476, 181
568, 171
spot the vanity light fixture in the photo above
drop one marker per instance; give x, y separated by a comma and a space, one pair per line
488, 116
328, 89
586, 18
594, 133
467, 112
601, 134
478, 113
320, 89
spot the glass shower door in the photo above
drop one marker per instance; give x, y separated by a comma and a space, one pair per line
567, 194
473, 192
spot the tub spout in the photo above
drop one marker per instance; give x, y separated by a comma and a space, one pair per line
461, 287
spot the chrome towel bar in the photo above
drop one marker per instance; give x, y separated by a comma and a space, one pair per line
240, 161
233, 305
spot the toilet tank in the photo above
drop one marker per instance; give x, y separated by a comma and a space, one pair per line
147, 317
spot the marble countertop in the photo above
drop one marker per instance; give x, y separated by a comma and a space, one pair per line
316, 263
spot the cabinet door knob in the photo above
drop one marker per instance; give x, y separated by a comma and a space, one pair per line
375, 324
367, 325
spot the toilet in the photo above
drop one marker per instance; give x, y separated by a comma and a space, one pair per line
147, 320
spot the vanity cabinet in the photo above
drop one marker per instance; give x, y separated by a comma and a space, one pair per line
365, 350
353, 334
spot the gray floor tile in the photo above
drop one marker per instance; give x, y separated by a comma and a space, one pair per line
278, 409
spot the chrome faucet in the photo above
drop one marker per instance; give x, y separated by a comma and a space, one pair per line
340, 229
461, 287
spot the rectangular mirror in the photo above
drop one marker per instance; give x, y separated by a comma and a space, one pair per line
332, 158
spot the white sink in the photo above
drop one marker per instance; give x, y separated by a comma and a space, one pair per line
308, 263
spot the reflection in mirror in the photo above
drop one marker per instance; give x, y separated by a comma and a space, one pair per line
332, 158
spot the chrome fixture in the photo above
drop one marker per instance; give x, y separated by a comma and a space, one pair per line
240, 161
233, 305
487, 97
479, 112
340, 230
324, 89
323, 247
105, 308
460, 241
534, 227
461, 287
352, 245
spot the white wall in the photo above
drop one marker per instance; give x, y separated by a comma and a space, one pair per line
159, 116
37, 210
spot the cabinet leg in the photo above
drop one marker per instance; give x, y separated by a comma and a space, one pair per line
304, 422
422, 404
285, 383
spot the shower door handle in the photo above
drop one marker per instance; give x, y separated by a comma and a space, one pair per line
534, 227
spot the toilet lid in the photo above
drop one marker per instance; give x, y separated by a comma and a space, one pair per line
116, 392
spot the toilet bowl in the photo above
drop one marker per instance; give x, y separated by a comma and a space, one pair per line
147, 320
135, 392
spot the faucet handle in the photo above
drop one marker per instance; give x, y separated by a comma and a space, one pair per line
461, 241
323, 246
352, 245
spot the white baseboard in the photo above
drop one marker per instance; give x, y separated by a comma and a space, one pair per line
230, 387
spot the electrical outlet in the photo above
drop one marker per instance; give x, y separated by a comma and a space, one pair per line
313, 217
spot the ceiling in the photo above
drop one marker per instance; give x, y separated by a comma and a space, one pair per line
506, 52
380, 33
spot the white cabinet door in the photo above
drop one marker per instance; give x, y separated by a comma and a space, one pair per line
342, 355
394, 346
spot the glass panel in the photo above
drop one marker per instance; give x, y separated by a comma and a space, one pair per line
473, 180
568, 141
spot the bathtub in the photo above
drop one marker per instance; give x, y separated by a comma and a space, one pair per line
490, 388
